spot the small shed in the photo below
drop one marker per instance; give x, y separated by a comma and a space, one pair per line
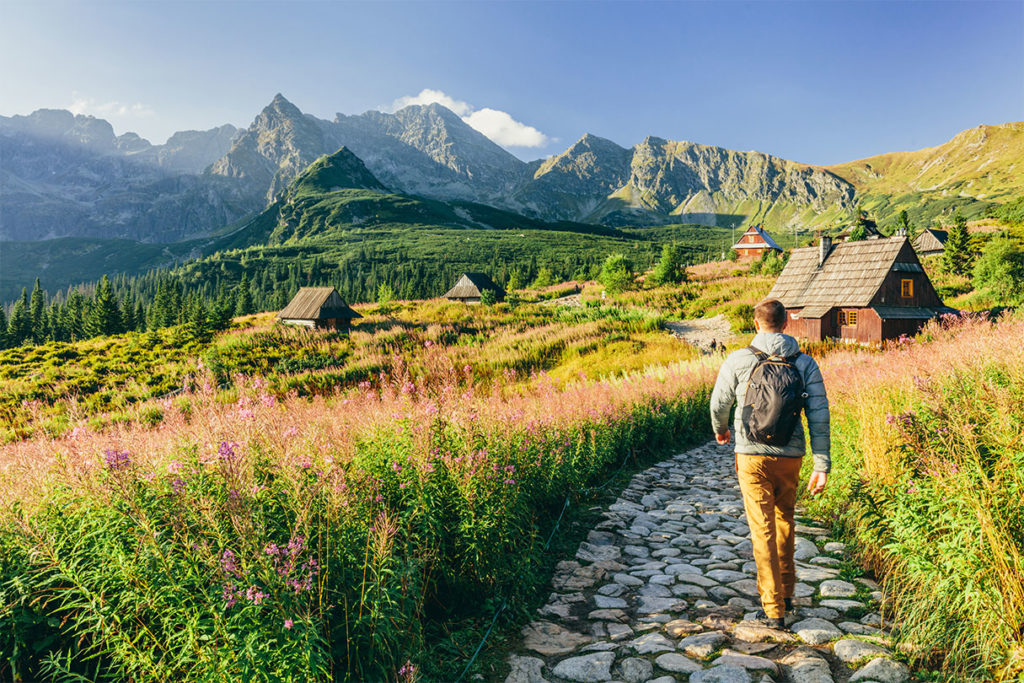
470, 288
870, 232
865, 291
754, 243
930, 242
320, 308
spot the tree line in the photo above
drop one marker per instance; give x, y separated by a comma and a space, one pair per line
205, 295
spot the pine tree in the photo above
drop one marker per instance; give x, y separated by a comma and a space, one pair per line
3, 329
244, 305
19, 327
957, 257
73, 316
104, 318
37, 312
670, 268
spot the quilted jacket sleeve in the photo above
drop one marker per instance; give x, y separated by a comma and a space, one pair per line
818, 417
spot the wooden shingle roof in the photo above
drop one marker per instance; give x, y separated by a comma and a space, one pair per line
851, 275
317, 303
931, 240
470, 285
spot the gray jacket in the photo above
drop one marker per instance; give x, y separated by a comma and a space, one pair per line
732, 385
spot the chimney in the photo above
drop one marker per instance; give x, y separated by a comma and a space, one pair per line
824, 247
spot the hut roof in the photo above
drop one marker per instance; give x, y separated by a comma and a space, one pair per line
870, 232
317, 303
931, 240
851, 275
470, 286
763, 235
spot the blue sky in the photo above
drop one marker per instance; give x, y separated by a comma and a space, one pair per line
817, 82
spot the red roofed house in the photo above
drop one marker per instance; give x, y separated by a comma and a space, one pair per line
865, 291
755, 242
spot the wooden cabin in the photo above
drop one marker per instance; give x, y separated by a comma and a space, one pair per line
470, 288
320, 308
866, 291
930, 242
754, 243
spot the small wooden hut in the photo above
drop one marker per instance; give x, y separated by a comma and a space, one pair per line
864, 291
930, 242
754, 243
320, 308
870, 233
471, 286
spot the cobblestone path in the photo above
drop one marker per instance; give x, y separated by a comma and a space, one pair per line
663, 590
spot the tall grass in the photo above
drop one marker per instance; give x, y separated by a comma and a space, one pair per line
928, 443
259, 537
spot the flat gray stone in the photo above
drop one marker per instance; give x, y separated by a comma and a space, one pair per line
680, 627
551, 639
662, 679
746, 587
586, 668
588, 552
816, 631
748, 662
836, 588
609, 615
804, 549
525, 670
851, 650
842, 605
676, 663
570, 576
649, 605
813, 574
805, 665
721, 674
859, 629
702, 644
883, 670
627, 580
651, 642
617, 631
606, 602
726, 575
634, 670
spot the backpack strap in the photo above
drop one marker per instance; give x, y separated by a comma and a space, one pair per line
761, 355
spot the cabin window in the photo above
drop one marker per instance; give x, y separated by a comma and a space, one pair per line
906, 288
847, 318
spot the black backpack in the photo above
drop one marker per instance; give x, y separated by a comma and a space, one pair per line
775, 396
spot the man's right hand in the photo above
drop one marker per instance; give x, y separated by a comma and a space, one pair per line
723, 438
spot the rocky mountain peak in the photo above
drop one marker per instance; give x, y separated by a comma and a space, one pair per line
342, 170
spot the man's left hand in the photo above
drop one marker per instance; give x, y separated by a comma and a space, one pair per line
817, 482
723, 438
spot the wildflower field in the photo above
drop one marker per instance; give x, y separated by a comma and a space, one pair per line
928, 477
250, 535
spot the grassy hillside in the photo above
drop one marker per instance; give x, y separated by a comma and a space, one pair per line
975, 169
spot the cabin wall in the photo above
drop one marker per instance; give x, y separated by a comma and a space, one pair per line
868, 329
889, 294
802, 328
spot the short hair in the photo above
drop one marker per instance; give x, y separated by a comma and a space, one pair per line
771, 313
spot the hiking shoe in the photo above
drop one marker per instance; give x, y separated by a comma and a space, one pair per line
761, 618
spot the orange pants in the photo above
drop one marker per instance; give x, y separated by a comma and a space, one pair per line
768, 484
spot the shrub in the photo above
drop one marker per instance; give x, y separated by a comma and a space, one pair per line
617, 274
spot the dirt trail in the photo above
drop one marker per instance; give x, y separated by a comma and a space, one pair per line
702, 331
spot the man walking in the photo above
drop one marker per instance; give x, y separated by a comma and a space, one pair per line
770, 382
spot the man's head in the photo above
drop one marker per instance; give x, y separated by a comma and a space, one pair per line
770, 316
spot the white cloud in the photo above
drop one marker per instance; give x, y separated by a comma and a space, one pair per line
498, 125
428, 96
88, 105
505, 130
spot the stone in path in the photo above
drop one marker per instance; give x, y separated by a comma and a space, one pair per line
586, 668
883, 670
658, 592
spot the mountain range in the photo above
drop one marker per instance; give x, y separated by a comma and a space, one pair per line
69, 176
